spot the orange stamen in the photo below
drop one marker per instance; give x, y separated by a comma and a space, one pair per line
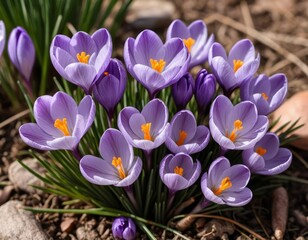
117, 163
261, 151
189, 42
83, 57
264, 96
224, 185
158, 65
178, 170
146, 129
238, 125
237, 64
182, 138
106, 73
62, 126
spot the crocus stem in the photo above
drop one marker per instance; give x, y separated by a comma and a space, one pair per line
76, 153
131, 196
170, 198
222, 151
148, 158
109, 118
201, 205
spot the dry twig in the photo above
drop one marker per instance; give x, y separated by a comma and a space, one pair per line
280, 205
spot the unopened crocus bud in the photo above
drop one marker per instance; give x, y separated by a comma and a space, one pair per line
182, 91
124, 228
22, 53
205, 88
109, 89
2, 37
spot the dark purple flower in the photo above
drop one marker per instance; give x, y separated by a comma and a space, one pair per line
109, 89
266, 92
124, 228
179, 171
205, 88
225, 184
182, 91
147, 129
117, 167
2, 37
154, 64
184, 134
195, 39
22, 53
82, 59
266, 157
236, 127
231, 71
60, 123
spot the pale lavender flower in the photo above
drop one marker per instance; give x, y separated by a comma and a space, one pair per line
124, 228
60, 123
118, 165
22, 53
2, 37
267, 93
195, 37
231, 71
179, 171
109, 89
154, 64
182, 91
147, 129
82, 59
225, 184
266, 158
236, 127
184, 134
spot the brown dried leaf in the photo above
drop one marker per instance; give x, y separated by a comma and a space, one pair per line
280, 206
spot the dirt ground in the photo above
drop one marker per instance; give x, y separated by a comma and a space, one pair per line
279, 30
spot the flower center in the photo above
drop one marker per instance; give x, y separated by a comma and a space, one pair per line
237, 64
62, 126
83, 57
157, 65
117, 163
178, 170
261, 151
189, 42
238, 125
106, 73
224, 185
264, 96
182, 138
146, 129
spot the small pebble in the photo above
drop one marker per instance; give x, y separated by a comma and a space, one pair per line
68, 224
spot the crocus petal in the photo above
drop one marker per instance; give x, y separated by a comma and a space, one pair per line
124, 125
134, 173
175, 182
177, 29
66, 142
243, 50
135, 123
253, 160
239, 175
82, 42
207, 192
216, 169
217, 50
246, 71
237, 199
103, 41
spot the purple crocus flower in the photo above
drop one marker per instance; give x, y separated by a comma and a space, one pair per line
225, 184
182, 91
22, 53
179, 171
81, 59
266, 92
154, 64
147, 129
60, 123
266, 158
205, 88
195, 39
109, 89
124, 228
2, 37
184, 134
117, 167
236, 127
231, 71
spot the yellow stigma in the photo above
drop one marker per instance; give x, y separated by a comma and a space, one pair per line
238, 125
237, 64
178, 170
117, 163
83, 57
157, 65
189, 42
182, 138
62, 126
146, 129
224, 185
264, 96
106, 73
261, 151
